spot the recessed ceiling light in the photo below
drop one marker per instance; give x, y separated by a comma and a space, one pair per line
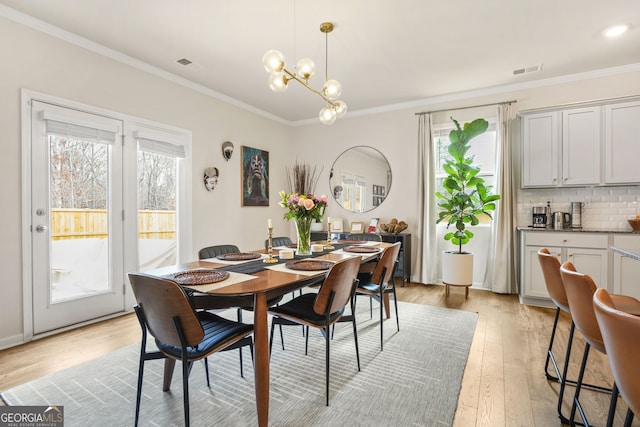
615, 30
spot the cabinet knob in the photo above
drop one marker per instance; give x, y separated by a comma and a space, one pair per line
570, 255
564, 241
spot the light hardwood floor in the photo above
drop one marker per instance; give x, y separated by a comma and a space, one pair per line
503, 385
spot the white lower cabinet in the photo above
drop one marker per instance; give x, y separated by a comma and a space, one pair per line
626, 271
588, 252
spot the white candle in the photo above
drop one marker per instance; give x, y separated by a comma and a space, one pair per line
329, 223
269, 223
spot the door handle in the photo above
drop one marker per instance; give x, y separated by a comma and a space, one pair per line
41, 228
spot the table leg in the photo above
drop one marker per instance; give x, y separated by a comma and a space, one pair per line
261, 357
169, 364
385, 299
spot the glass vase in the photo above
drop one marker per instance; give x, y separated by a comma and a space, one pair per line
303, 232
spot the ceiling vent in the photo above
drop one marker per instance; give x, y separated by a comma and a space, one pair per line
188, 64
530, 69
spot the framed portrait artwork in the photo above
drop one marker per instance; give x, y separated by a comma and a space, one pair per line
255, 177
357, 227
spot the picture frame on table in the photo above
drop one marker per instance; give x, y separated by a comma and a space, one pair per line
357, 227
373, 225
336, 225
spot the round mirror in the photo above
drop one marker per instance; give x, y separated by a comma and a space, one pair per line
360, 179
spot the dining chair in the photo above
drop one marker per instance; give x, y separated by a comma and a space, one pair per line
278, 241
381, 282
365, 237
211, 302
324, 309
620, 332
181, 333
366, 267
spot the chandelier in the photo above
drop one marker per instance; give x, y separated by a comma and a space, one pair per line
280, 77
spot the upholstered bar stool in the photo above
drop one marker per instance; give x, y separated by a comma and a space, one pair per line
580, 289
621, 335
550, 266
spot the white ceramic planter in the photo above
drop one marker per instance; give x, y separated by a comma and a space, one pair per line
457, 269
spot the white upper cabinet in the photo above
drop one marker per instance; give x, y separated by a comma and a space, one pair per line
541, 150
622, 143
581, 146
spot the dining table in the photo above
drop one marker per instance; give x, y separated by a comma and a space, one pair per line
264, 278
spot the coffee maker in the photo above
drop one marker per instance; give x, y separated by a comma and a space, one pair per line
540, 215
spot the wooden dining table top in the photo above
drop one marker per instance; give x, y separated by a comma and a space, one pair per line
262, 285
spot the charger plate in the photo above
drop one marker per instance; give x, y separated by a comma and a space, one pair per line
361, 249
199, 276
238, 256
309, 264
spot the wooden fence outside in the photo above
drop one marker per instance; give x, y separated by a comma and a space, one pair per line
93, 224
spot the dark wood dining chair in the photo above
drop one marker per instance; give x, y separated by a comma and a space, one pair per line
323, 309
212, 302
181, 333
381, 282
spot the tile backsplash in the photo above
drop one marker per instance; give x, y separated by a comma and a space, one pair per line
606, 208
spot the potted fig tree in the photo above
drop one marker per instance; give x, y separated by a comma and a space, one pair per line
463, 201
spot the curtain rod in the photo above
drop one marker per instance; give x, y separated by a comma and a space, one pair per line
466, 108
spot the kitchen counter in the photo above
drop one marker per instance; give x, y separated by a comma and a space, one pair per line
631, 253
580, 230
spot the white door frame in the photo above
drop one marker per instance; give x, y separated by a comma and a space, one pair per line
129, 194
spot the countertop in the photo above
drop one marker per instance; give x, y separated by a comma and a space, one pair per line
631, 253
580, 230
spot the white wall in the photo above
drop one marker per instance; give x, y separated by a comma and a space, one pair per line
51, 66
48, 65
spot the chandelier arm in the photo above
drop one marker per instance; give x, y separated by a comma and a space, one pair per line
305, 84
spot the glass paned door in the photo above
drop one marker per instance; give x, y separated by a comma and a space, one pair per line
76, 176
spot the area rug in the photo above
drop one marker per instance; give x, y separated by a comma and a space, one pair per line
415, 381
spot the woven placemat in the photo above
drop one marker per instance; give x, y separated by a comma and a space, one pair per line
238, 256
309, 264
361, 249
199, 276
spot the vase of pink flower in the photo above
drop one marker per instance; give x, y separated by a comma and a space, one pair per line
303, 208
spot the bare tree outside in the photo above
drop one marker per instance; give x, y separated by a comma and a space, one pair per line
156, 181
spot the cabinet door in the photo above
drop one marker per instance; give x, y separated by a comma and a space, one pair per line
581, 146
626, 271
533, 280
622, 138
593, 262
540, 151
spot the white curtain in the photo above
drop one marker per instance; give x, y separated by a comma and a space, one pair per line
426, 247
500, 272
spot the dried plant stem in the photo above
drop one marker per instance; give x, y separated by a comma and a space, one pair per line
302, 178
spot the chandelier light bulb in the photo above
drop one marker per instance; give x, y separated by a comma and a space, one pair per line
278, 81
273, 61
332, 89
340, 107
327, 115
306, 68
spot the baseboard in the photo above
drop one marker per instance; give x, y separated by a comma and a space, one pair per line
11, 341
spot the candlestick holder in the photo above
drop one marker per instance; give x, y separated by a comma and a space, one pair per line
270, 259
328, 246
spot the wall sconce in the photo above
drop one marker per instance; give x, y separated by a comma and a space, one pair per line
227, 150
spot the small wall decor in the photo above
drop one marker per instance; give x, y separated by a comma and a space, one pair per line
373, 225
255, 177
227, 150
336, 225
357, 227
211, 175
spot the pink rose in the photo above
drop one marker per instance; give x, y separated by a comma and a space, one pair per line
307, 204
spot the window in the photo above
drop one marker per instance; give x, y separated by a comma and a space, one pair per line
483, 150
